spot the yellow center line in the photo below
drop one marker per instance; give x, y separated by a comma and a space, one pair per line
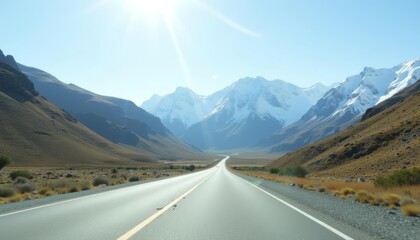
143, 224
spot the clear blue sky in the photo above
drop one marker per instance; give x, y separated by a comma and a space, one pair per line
127, 49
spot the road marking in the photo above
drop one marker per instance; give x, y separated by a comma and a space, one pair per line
89, 196
146, 222
342, 235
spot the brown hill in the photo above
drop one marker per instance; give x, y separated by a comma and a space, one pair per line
382, 143
34, 132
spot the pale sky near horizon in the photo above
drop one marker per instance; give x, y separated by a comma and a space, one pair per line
135, 48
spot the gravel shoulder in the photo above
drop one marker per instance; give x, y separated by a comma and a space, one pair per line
376, 222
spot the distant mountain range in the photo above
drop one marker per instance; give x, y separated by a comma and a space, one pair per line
386, 140
276, 116
237, 116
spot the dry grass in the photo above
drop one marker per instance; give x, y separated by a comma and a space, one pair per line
412, 210
364, 192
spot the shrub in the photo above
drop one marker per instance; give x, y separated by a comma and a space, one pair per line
20, 173
25, 187
296, 171
133, 179
190, 168
4, 161
399, 178
99, 181
20, 180
274, 170
6, 192
114, 171
411, 210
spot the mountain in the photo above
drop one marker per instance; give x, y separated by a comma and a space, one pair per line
115, 119
344, 105
36, 133
382, 143
9, 60
249, 110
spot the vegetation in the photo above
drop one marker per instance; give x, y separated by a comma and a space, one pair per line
23, 185
399, 178
296, 171
100, 181
133, 179
274, 170
6, 192
20, 173
411, 210
4, 161
190, 168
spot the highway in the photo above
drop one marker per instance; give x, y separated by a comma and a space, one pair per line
210, 204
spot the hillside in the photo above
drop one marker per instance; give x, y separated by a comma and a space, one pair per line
118, 120
33, 132
380, 144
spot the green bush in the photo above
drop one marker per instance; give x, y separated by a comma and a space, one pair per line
296, 171
114, 171
190, 168
25, 187
6, 192
4, 161
399, 178
274, 170
133, 179
100, 181
20, 173
20, 180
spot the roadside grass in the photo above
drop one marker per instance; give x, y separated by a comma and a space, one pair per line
19, 184
402, 197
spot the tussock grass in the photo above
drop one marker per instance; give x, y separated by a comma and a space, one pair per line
364, 196
6, 192
412, 210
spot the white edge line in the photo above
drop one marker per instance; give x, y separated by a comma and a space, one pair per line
80, 198
342, 235
150, 219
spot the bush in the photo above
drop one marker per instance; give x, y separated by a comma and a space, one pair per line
274, 170
399, 178
99, 181
4, 161
6, 192
20, 173
25, 187
190, 168
133, 179
296, 171
114, 171
20, 180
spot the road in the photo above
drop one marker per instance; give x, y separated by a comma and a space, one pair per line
211, 204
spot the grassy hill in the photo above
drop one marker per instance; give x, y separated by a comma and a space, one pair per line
385, 141
33, 132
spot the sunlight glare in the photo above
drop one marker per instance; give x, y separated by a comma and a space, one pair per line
152, 8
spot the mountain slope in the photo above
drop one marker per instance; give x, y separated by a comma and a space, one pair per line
343, 106
118, 120
384, 142
249, 110
36, 133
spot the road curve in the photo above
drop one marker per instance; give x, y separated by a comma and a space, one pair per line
211, 204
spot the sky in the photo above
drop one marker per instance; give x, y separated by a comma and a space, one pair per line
133, 49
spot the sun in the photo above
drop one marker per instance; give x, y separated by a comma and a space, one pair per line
152, 8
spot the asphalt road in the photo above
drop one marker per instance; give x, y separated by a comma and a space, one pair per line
211, 204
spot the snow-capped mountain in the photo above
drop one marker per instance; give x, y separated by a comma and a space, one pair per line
181, 109
282, 101
343, 105
237, 116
